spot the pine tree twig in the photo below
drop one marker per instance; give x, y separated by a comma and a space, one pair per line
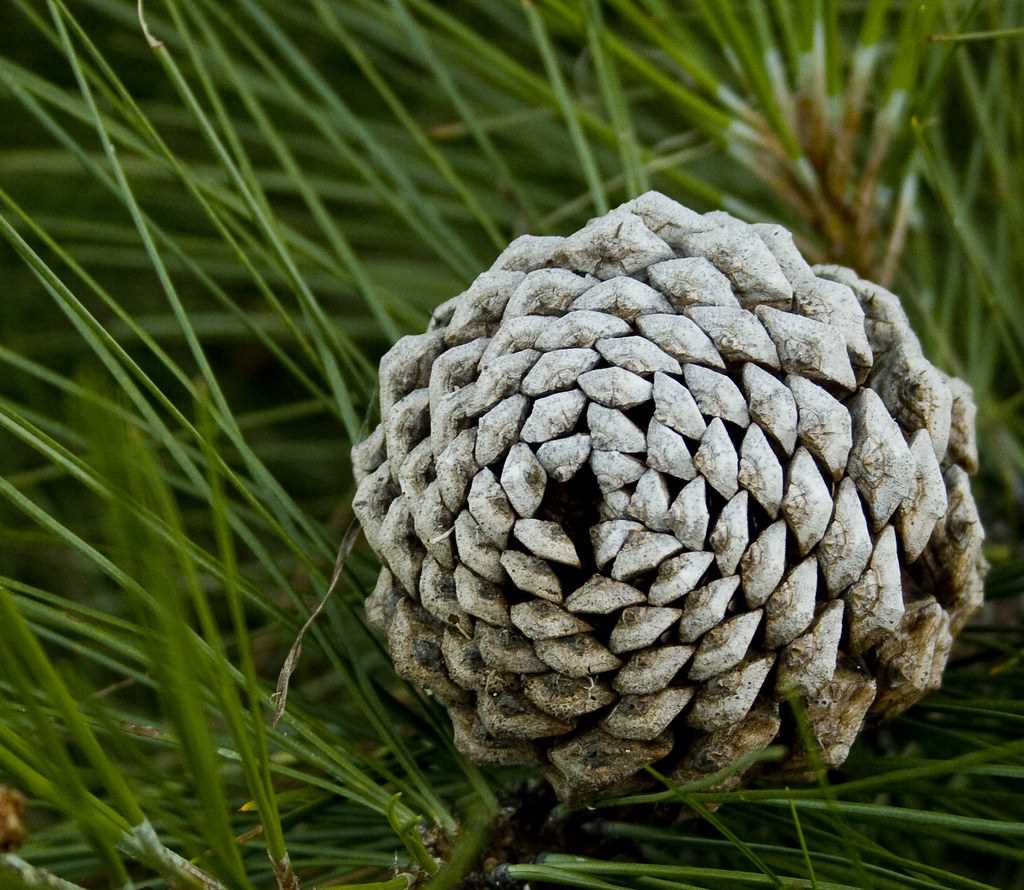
280, 696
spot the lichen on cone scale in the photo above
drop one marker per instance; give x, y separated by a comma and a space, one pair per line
637, 486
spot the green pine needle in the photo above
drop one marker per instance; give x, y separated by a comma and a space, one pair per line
210, 232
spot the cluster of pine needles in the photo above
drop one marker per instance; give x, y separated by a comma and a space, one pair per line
215, 215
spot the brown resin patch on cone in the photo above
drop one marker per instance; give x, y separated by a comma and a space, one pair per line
637, 486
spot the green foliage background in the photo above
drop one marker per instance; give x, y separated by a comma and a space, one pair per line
209, 237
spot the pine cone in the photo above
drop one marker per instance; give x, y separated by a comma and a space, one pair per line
636, 486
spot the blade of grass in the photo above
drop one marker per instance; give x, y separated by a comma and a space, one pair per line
616, 102
405, 118
467, 115
588, 163
255, 753
974, 36
164, 277
803, 846
339, 243
378, 152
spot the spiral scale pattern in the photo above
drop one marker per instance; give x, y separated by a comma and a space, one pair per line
638, 485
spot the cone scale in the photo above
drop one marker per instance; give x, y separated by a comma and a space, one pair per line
637, 486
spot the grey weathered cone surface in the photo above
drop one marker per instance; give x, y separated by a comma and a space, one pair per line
638, 485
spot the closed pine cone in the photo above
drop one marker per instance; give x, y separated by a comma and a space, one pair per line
636, 486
